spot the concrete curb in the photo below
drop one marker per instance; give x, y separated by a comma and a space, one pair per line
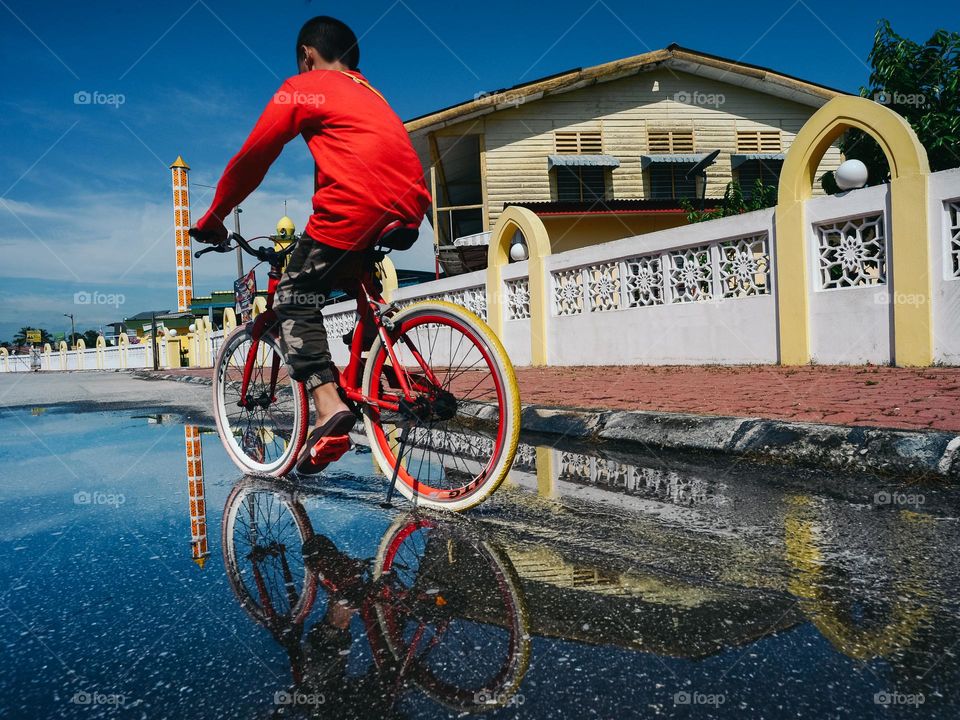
887, 451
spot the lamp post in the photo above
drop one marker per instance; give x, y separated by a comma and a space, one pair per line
236, 229
73, 327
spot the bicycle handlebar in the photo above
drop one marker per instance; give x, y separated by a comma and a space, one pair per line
264, 254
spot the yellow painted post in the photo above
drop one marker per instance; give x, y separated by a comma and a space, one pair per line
101, 351
388, 278
535, 234
48, 356
546, 472
910, 257
229, 321
259, 306
78, 351
62, 351
173, 352
122, 343
3, 357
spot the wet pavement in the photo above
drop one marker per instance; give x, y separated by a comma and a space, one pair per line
140, 576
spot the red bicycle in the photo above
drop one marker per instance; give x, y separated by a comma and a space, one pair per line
436, 390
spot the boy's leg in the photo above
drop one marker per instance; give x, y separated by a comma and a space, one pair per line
311, 274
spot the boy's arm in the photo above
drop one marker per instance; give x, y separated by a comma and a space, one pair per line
280, 122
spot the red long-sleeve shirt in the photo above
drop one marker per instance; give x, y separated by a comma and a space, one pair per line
367, 172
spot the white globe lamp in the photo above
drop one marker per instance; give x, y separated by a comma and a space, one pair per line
851, 175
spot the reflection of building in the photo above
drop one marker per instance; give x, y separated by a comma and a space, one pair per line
603, 153
198, 503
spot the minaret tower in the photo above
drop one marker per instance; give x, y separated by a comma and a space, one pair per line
198, 502
181, 223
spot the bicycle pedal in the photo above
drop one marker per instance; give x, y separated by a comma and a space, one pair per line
330, 449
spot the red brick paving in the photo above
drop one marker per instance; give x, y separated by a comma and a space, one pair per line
908, 398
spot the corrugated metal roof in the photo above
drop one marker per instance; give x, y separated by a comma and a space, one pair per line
690, 159
739, 159
572, 160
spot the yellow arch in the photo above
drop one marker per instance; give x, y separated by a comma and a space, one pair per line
909, 261
3, 357
62, 350
229, 321
48, 355
498, 254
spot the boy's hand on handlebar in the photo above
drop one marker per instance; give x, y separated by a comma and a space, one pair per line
209, 230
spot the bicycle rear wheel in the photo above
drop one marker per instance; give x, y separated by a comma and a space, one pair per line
463, 439
263, 434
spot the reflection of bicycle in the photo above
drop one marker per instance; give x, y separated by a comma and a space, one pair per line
436, 391
442, 608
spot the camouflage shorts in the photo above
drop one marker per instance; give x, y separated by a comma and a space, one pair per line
312, 272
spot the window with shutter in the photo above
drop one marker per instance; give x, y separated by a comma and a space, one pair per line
578, 142
759, 141
669, 141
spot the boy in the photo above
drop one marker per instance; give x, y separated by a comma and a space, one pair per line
367, 176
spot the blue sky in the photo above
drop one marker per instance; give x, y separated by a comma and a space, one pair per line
85, 189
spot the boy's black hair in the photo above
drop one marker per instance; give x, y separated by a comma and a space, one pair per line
333, 39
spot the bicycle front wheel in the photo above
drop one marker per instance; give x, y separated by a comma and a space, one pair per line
262, 432
464, 422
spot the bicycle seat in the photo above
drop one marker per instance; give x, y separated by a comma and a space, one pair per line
398, 236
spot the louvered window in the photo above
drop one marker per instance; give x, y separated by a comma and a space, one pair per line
579, 142
758, 141
670, 141
581, 184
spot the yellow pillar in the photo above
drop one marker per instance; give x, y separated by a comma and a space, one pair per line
388, 278
546, 472
229, 321
101, 351
78, 351
909, 264
498, 255
3, 359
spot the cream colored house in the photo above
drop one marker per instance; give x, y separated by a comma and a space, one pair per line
605, 152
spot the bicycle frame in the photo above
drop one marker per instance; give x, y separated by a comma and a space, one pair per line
369, 307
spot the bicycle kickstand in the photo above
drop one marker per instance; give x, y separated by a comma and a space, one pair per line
396, 468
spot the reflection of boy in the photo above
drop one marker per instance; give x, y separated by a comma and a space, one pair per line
329, 642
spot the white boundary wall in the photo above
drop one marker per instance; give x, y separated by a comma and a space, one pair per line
706, 293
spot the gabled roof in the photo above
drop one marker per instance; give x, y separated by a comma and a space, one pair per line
673, 57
